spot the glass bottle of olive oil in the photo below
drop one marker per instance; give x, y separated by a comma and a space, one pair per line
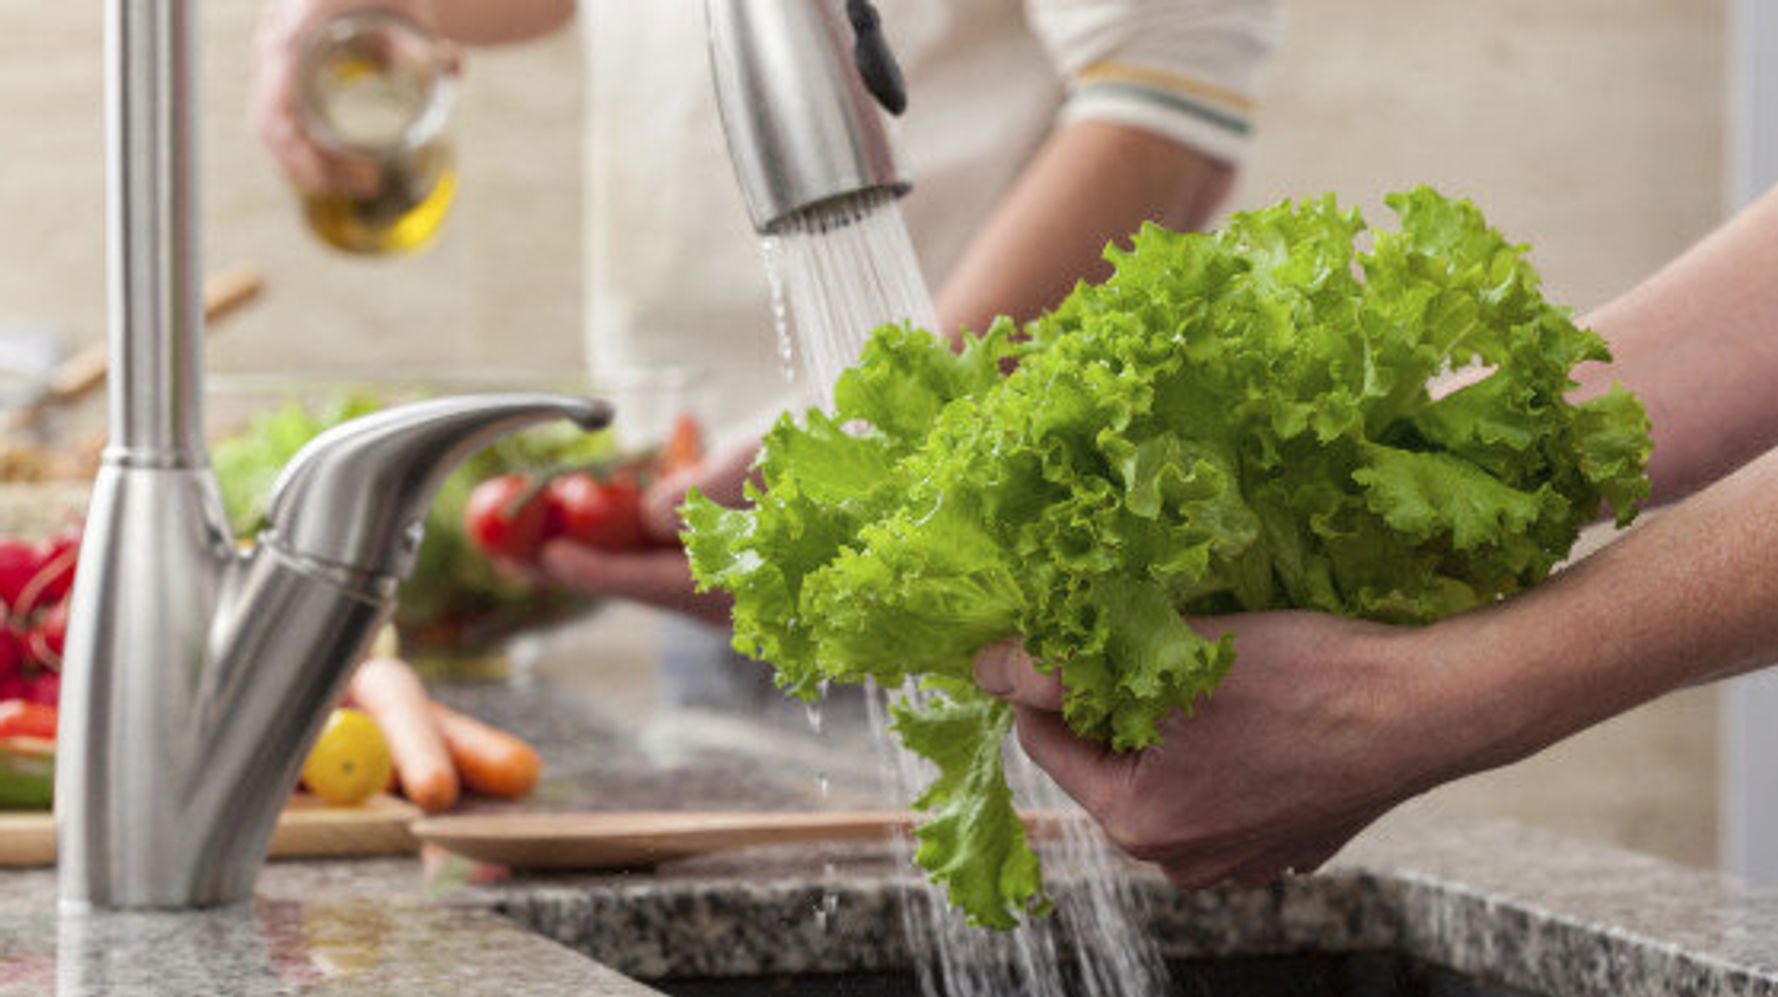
375, 90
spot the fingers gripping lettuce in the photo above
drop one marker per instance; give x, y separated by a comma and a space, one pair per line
1232, 422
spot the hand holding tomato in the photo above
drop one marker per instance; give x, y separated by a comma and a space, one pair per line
511, 517
614, 537
605, 515
656, 572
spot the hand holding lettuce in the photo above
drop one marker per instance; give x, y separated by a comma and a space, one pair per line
1233, 422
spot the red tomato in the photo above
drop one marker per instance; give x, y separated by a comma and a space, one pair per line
606, 515
21, 719
502, 522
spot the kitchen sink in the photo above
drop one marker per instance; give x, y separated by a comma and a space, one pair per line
1423, 906
1325, 936
1358, 974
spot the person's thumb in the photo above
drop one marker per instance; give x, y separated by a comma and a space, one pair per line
1004, 671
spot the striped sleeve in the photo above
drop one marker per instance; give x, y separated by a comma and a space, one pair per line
1183, 69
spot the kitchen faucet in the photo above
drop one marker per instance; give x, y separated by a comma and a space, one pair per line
197, 673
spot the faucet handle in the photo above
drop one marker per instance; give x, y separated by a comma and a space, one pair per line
876, 60
356, 496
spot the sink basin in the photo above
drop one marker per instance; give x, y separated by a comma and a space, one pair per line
1326, 936
1360, 974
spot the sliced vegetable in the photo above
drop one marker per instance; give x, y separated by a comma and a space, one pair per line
27, 773
21, 719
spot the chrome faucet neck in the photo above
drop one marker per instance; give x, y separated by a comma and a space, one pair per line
154, 255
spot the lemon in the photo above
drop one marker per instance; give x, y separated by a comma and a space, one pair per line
350, 762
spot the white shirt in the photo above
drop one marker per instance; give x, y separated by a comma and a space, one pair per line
674, 281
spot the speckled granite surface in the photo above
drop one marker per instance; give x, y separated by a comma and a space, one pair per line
1512, 906
325, 930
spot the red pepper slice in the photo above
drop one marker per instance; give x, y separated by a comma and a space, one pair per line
21, 719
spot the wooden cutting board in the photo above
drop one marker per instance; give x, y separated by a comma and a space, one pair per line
308, 829
627, 840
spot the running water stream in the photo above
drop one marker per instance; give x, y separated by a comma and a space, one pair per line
837, 272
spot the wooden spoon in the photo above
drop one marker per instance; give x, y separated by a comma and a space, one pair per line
224, 293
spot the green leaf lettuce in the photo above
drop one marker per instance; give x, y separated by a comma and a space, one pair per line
1237, 421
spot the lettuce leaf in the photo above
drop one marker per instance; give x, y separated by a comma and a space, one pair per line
1232, 422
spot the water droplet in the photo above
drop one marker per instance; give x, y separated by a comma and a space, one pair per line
772, 253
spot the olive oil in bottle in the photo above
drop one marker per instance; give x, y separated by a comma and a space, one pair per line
375, 93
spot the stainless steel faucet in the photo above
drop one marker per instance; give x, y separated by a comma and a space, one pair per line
802, 86
197, 673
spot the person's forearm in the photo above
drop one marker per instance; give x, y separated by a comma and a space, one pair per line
1698, 343
468, 22
1688, 598
496, 22
1092, 182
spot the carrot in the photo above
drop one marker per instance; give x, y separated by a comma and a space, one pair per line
391, 693
490, 761
684, 446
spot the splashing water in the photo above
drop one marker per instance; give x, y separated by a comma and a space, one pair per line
837, 272
772, 255
830, 898
1095, 944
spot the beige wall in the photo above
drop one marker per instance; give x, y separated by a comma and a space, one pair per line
501, 287
1590, 128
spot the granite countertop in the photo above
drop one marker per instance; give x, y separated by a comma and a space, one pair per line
1522, 909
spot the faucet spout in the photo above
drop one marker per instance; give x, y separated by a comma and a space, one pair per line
356, 497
